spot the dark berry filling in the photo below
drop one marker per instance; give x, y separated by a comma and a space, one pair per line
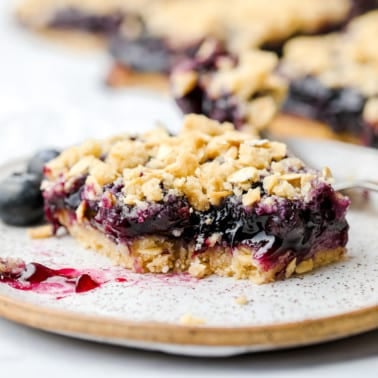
224, 108
291, 228
340, 108
362, 6
72, 18
171, 218
147, 53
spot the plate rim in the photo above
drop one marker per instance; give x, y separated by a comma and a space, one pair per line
303, 332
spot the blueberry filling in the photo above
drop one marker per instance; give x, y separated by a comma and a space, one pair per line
144, 53
340, 108
147, 53
224, 108
72, 18
291, 228
362, 6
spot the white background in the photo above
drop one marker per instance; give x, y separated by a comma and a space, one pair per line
52, 97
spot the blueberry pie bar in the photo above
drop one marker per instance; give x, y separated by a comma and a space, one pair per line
242, 89
208, 200
89, 16
152, 35
169, 31
334, 79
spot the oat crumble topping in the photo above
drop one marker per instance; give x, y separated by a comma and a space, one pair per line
206, 162
245, 24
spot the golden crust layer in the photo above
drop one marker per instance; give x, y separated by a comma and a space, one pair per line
158, 255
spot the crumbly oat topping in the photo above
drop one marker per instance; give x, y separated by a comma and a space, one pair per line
41, 232
252, 81
206, 163
348, 59
242, 300
245, 24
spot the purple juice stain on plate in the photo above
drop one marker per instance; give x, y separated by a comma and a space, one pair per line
42, 279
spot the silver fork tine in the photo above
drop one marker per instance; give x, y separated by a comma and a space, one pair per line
356, 184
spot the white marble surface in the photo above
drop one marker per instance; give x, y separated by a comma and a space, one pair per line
28, 353
45, 93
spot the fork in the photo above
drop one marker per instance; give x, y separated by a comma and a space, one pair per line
340, 183
356, 184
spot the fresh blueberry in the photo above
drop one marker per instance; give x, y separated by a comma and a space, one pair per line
21, 201
39, 159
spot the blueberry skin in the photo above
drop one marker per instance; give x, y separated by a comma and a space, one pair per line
21, 202
38, 161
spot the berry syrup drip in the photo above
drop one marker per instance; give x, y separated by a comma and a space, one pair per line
40, 278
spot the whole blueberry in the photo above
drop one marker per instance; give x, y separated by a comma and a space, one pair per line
21, 201
39, 159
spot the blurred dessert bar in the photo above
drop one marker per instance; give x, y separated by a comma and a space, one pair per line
152, 35
334, 79
239, 88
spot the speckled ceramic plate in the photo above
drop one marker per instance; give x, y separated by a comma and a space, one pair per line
144, 311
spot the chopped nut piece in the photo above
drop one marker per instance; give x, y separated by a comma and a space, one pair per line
183, 82
327, 174
270, 182
41, 232
242, 300
80, 212
290, 269
197, 269
243, 175
304, 266
252, 196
